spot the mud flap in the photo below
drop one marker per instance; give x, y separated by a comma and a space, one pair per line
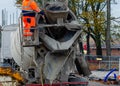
82, 66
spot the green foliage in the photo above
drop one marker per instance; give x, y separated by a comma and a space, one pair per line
18, 2
92, 15
115, 32
94, 1
91, 12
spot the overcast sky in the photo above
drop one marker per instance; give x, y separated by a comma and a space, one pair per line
9, 5
115, 9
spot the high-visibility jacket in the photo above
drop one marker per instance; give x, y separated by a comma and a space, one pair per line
30, 5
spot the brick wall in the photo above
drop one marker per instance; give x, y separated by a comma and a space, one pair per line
114, 52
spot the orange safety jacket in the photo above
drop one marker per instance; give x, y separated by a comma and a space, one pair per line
30, 5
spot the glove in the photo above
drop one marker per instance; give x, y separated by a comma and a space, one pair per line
42, 12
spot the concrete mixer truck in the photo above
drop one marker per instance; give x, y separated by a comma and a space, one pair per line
52, 54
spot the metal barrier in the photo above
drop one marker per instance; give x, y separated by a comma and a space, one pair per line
103, 62
108, 64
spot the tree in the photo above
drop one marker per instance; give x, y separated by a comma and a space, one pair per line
92, 15
18, 2
115, 30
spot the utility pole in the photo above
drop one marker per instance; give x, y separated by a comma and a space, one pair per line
108, 45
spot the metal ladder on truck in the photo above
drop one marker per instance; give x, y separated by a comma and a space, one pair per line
29, 41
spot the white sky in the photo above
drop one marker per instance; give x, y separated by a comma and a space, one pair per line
115, 9
9, 5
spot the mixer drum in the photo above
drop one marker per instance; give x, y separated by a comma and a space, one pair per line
24, 59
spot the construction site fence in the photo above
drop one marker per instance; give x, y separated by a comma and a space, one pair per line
103, 62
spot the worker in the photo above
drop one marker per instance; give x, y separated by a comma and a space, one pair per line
29, 9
